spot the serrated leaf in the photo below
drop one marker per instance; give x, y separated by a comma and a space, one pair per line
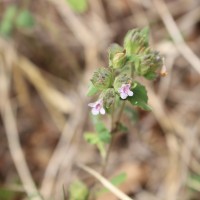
92, 90
78, 5
139, 97
25, 19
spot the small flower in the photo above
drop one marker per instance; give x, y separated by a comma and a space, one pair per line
97, 107
125, 91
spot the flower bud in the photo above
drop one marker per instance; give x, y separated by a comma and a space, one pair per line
120, 80
108, 97
102, 78
119, 60
117, 56
149, 63
136, 41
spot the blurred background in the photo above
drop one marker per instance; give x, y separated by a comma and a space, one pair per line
48, 52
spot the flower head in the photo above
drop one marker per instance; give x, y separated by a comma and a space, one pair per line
102, 78
125, 91
97, 107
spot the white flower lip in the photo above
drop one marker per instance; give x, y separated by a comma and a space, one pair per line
125, 91
97, 107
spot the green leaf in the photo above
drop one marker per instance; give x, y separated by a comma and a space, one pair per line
119, 179
6, 194
25, 19
139, 97
102, 149
78, 5
100, 127
105, 136
6, 28
92, 90
78, 191
193, 182
91, 138
10, 13
95, 139
116, 180
150, 76
6, 25
103, 133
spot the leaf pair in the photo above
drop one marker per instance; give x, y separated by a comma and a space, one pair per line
100, 138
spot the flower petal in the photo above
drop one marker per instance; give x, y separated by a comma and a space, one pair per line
92, 104
130, 93
102, 111
95, 111
123, 95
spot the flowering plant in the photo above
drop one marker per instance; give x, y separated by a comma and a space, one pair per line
116, 85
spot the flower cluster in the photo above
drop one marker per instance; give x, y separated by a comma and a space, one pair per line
117, 81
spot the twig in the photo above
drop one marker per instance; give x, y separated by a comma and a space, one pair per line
55, 162
62, 148
14, 141
45, 89
74, 22
105, 183
175, 34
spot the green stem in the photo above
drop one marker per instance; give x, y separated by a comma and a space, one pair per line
113, 131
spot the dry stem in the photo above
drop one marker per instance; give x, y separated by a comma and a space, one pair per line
14, 141
175, 34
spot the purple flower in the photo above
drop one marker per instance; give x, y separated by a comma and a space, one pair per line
97, 107
125, 91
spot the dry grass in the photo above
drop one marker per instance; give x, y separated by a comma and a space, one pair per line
44, 73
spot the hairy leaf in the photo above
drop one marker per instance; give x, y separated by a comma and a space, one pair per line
139, 97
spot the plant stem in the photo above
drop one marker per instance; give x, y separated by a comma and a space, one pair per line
113, 131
